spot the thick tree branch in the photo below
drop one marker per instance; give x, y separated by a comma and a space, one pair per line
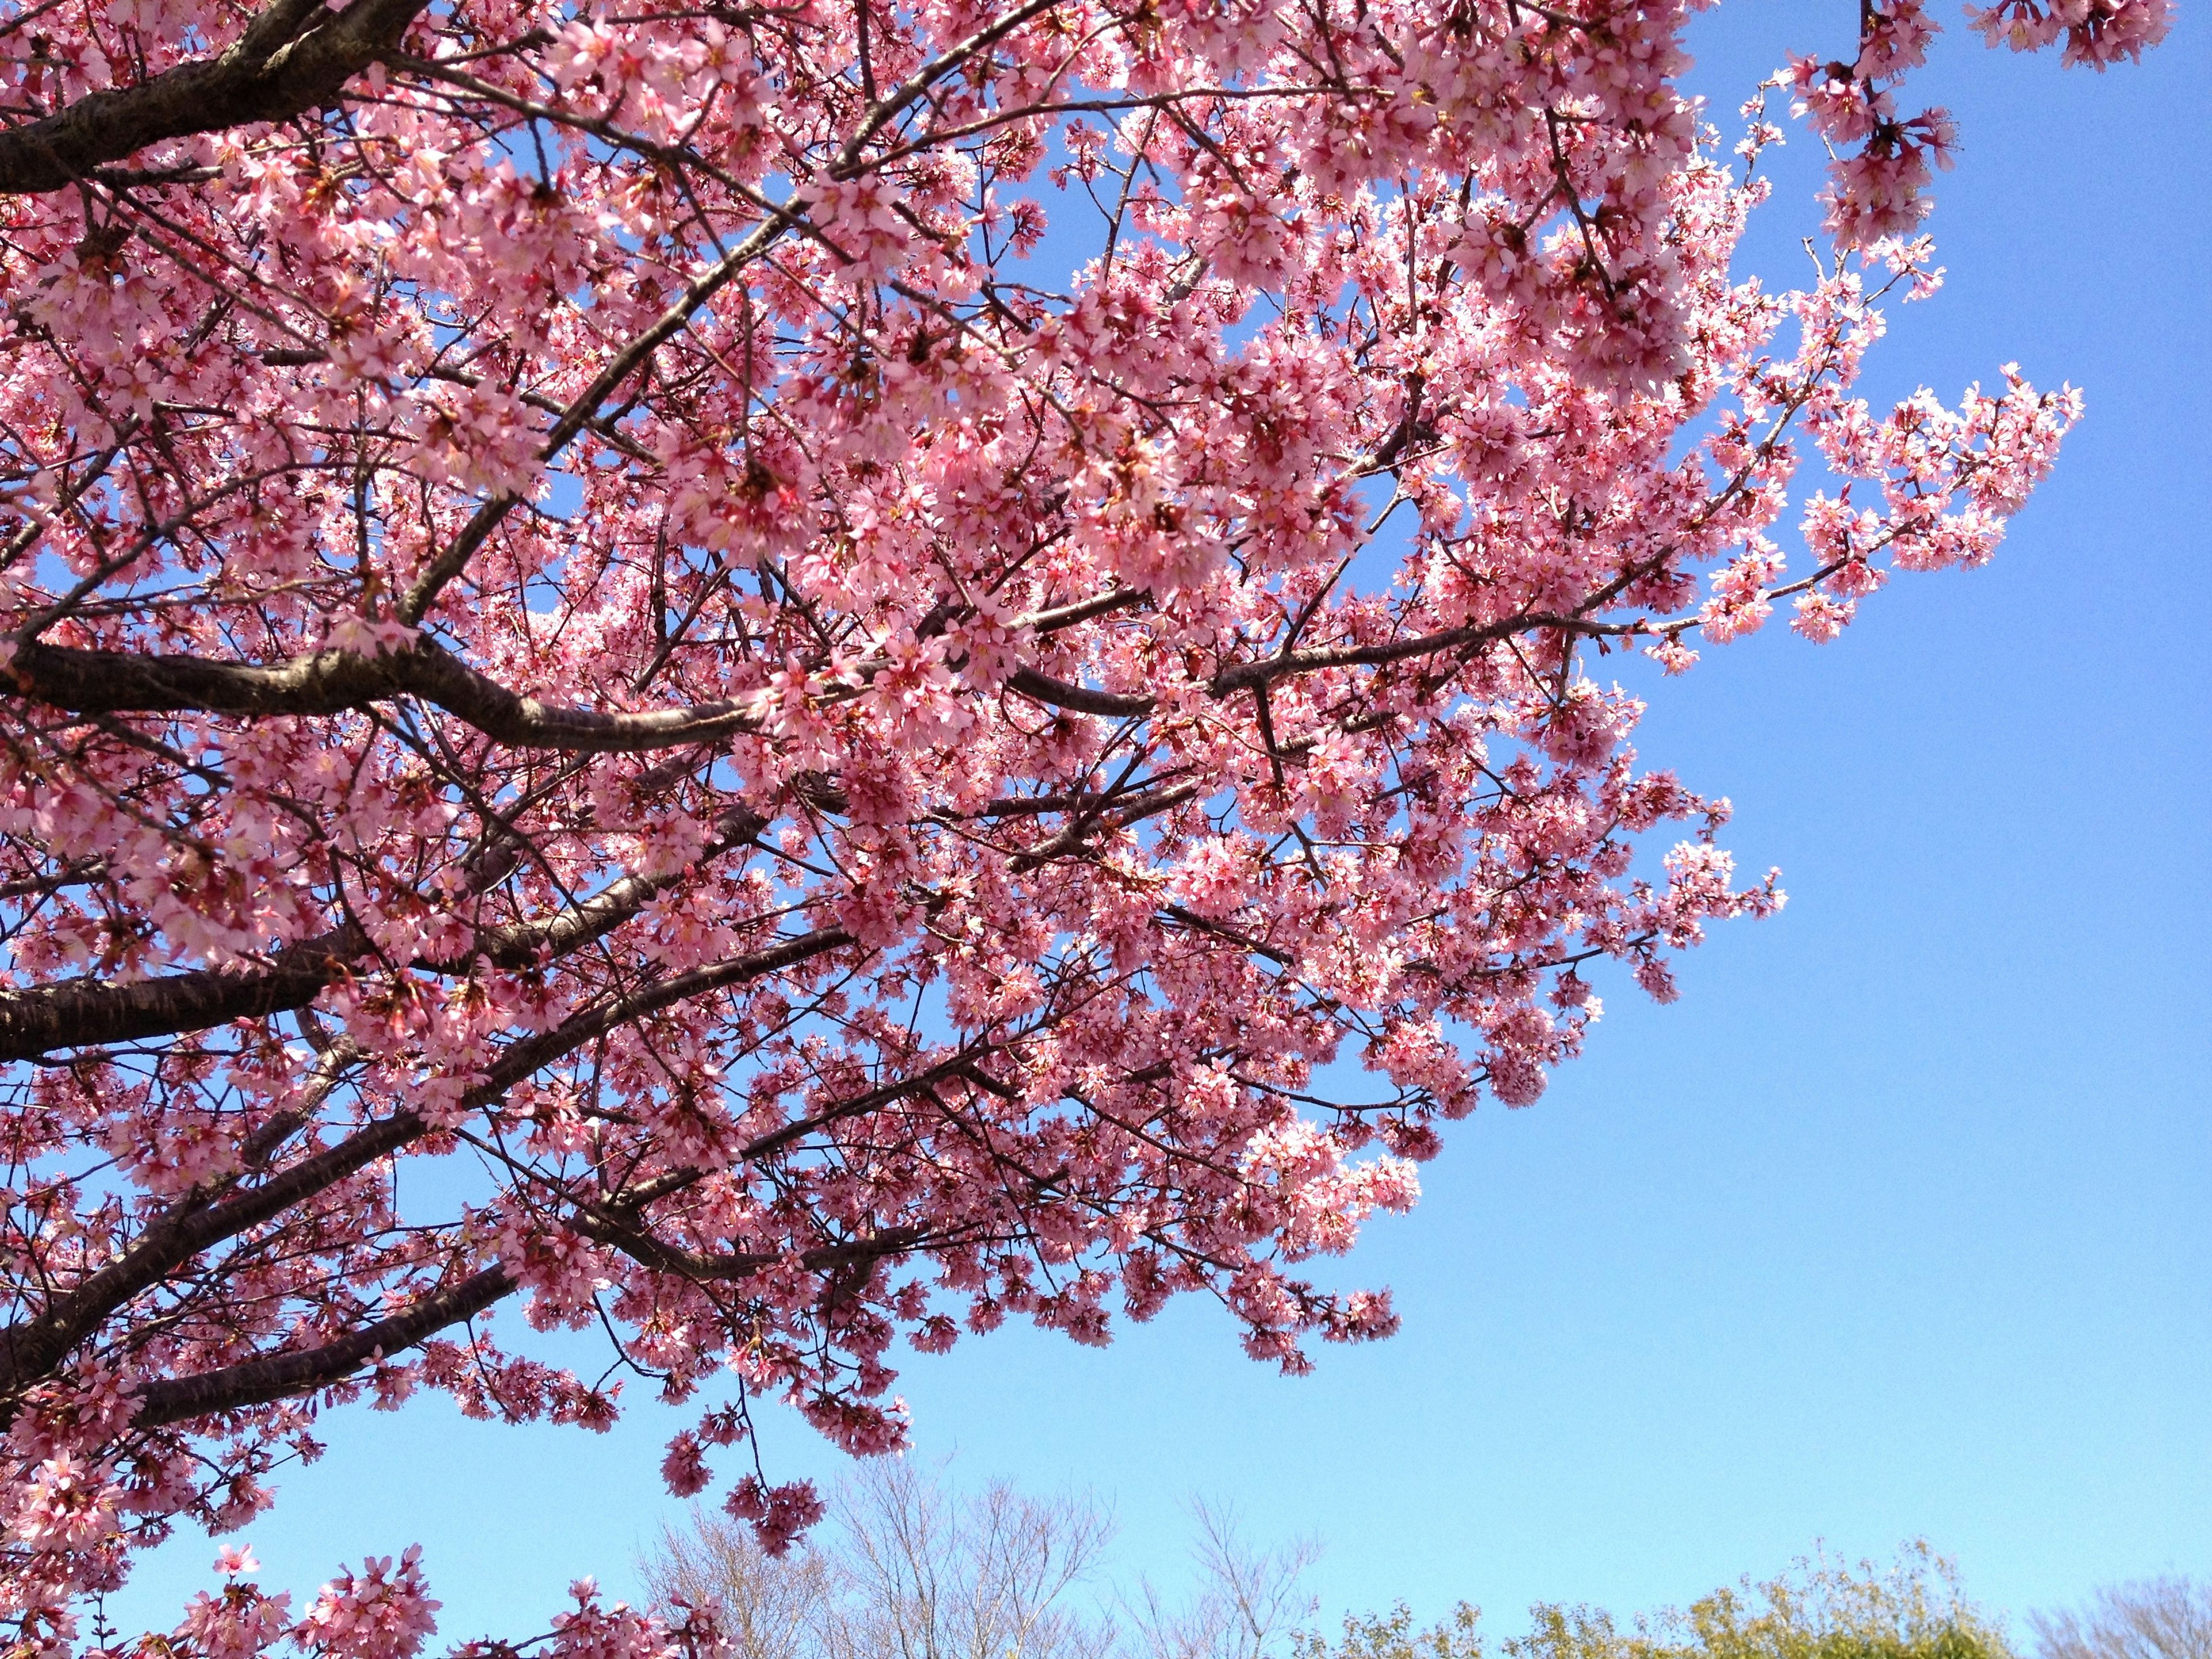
1043, 688
286, 1375
324, 682
302, 1372
295, 56
532, 1055
92, 1011
31, 1349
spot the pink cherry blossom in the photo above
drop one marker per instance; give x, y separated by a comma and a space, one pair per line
845, 656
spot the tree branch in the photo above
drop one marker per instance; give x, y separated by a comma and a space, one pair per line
287, 1376
92, 1011
283, 1375
32, 1348
293, 57
320, 683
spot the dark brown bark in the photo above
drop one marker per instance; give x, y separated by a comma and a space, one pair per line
294, 57
1084, 699
287, 1375
93, 1012
325, 682
32, 1349
302, 1372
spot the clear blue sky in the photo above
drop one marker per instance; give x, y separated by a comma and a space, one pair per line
1899, 1223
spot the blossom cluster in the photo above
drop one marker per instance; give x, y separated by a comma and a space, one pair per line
861, 671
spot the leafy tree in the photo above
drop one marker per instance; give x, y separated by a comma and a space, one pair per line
1822, 1609
761, 638
1395, 1635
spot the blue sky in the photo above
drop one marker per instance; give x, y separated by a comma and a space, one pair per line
1899, 1223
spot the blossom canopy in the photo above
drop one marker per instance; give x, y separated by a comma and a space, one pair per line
827, 665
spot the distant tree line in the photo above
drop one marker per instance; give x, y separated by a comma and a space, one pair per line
909, 1567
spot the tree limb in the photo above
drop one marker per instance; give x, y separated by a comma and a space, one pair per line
92, 1011
321, 683
284, 1376
293, 57
32, 1348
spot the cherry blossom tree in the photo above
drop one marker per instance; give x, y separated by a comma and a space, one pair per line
826, 663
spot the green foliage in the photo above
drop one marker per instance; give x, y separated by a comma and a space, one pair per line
1377, 1636
1821, 1609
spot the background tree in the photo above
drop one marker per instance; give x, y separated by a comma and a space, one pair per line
1395, 1635
905, 1568
1822, 1609
767, 679
2167, 1617
1251, 1601
765, 1607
